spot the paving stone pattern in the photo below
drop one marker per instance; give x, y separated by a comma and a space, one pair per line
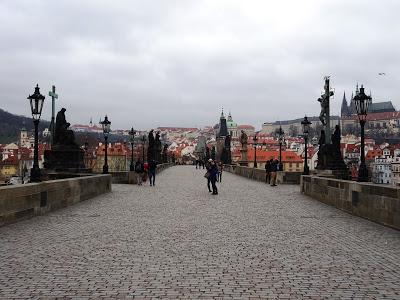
175, 240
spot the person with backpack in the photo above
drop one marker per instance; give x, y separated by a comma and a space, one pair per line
213, 177
208, 174
274, 169
139, 171
152, 172
268, 171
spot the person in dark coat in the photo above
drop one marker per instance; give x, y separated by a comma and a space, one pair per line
268, 171
208, 167
152, 172
139, 169
213, 177
274, 169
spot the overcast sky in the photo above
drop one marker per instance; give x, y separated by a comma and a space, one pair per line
176, 63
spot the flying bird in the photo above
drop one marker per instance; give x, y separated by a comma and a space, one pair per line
381, 73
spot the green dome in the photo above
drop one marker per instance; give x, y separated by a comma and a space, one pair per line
231, 124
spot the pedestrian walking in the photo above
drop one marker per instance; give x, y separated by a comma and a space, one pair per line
268, 171
152, 172
213, 177
220, 169
145, 170
274, 169
139, 171
208, 174
197, 163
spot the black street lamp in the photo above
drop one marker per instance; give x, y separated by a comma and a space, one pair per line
36, 101
143, 144
362, 102
306, 129
106, 130
132, 133
281, 139
255, 150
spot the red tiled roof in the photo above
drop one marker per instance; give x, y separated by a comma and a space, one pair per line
377, 116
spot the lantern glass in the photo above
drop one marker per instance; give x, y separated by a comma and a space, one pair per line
306, 126
36, 101
106, 125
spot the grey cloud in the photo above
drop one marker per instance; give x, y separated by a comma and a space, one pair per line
150, 63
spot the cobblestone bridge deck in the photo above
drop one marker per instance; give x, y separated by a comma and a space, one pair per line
175, 240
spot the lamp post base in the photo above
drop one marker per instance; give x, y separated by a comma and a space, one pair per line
362, 173
105, 169
35, 175
306, 171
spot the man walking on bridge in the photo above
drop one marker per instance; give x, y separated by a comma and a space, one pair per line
139, 169
152, 172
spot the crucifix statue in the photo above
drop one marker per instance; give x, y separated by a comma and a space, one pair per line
53, 96
325, 114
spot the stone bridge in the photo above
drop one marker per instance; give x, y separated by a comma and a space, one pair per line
175, 240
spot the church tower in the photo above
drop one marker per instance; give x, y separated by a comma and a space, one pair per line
345, 109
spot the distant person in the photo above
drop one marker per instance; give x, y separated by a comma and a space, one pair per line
197, 163
152, 172
220, 169
208, 174
274, 169
213, 177
139, 169
268, 171
145, 170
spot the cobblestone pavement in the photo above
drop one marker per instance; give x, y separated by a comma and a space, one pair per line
175, 240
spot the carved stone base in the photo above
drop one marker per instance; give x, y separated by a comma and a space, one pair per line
70, 160
330, 159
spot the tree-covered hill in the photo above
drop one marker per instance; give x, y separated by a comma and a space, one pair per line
10, 126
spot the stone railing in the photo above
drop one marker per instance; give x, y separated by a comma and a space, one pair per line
378, 203
27, 200
259, 174
129, 177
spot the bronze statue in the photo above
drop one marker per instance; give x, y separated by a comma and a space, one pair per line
324, 109
63, 135
243, 139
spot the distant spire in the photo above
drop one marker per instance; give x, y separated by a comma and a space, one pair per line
222, 114
344, 109
230, 117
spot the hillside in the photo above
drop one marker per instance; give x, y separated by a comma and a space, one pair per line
10, 126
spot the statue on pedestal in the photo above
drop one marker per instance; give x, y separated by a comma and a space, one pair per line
65, 155
158, 147
243, 141
151, 147
63, 136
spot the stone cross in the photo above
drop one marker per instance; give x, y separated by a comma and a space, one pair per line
53, 96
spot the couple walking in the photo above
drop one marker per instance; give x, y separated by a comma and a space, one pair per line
143, 170
271, 167
212, 176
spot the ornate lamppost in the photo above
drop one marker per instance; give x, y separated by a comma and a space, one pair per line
255, 150
106, 124
362, 102
132, 133
281, 139
143, 144
36, 102
306, 129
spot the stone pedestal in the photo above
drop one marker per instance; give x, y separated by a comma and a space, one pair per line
65, 159
331, 164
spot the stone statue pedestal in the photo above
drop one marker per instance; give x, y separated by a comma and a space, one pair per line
243, 161
331, 164
65, 159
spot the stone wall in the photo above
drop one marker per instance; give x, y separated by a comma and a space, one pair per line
27, 200
378, 203
129, 177
259, 174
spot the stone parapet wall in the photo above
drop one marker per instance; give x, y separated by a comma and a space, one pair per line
259, 174
129, 177
28, 200
378, 203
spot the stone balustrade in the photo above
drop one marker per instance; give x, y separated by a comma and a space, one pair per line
23, 201
129, 177
259, 174
376, 202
